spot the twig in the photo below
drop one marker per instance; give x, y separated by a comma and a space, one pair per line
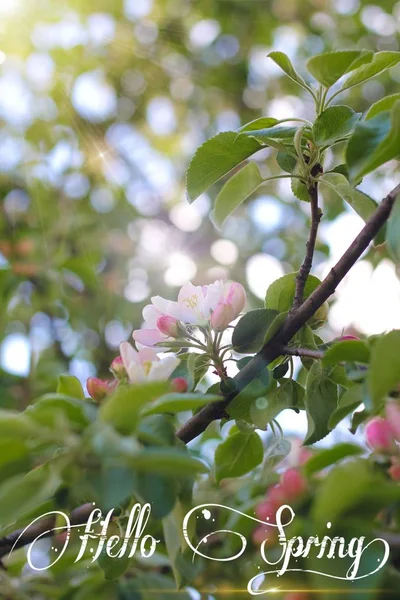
303, 352
305, 268
294, 322
274, 348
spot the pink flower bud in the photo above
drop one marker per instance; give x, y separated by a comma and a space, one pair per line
346, 338
98, 389
393, 416
236, 298
168, 326
293, 483
266, 511
180, 385
380, 436
265, 533
394, 472
117, 368
277, 496
304, 455
222, 316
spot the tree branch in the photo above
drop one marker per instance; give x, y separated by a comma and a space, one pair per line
305, 268
294, 322
274, 348
303, 352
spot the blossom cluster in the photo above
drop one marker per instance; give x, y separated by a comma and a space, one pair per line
196, 319
383, 436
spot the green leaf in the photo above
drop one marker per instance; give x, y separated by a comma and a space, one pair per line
23, 493
333, 124
384, 372
373, 143
239, 407
280, 294
174, 403
70, 386
380, 63
383, 105
393, 231
286, 162
320, 402
237, 455
235, 191
299, 189
348, 402
112, 567
168, 461
122, 409
16, 425
217, 157
249, 333
159, 490
156, 430
346, 350
48, 408
363, 204
257, 124
283, 61
330, 456
289, 394
327, 68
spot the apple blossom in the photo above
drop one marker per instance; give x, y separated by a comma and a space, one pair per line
229, 307
169, 326
146, 365
266, 511
380, 435
117, 368
293, 484
179, 384
194, 304
150, 334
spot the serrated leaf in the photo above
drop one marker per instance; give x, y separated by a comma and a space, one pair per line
174, 403
237, 455
283, 61
364, 205
333, 124
299, 189
320, 401
383, 105
384, 372
393, 231
290, 394
216, 158
348, 402
347, 350
382, 61
286, 162
235, 191
330, 456
373, 143
249, 333
327, 68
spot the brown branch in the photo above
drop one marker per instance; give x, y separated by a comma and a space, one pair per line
295, 320
305, 268
302, 352
274, 348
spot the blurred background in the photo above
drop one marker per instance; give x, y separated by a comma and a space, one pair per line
102, 105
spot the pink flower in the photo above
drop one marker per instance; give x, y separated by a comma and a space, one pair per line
194, 304
276, 495
380, 435
393, 416
394, 472
293, 483
347, 338
98, 389
150, 334
266, 511
145, 365
229, 307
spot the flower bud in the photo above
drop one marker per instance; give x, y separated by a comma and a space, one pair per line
346, 338
266, 511
393, 416
169, 326
236, 298
117, 368
394, 472
267, 534
98, 389
380, 436
293, 484
180, 385
222, 316
276, 495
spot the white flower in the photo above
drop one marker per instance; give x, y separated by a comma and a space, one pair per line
145, 365
195, 303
